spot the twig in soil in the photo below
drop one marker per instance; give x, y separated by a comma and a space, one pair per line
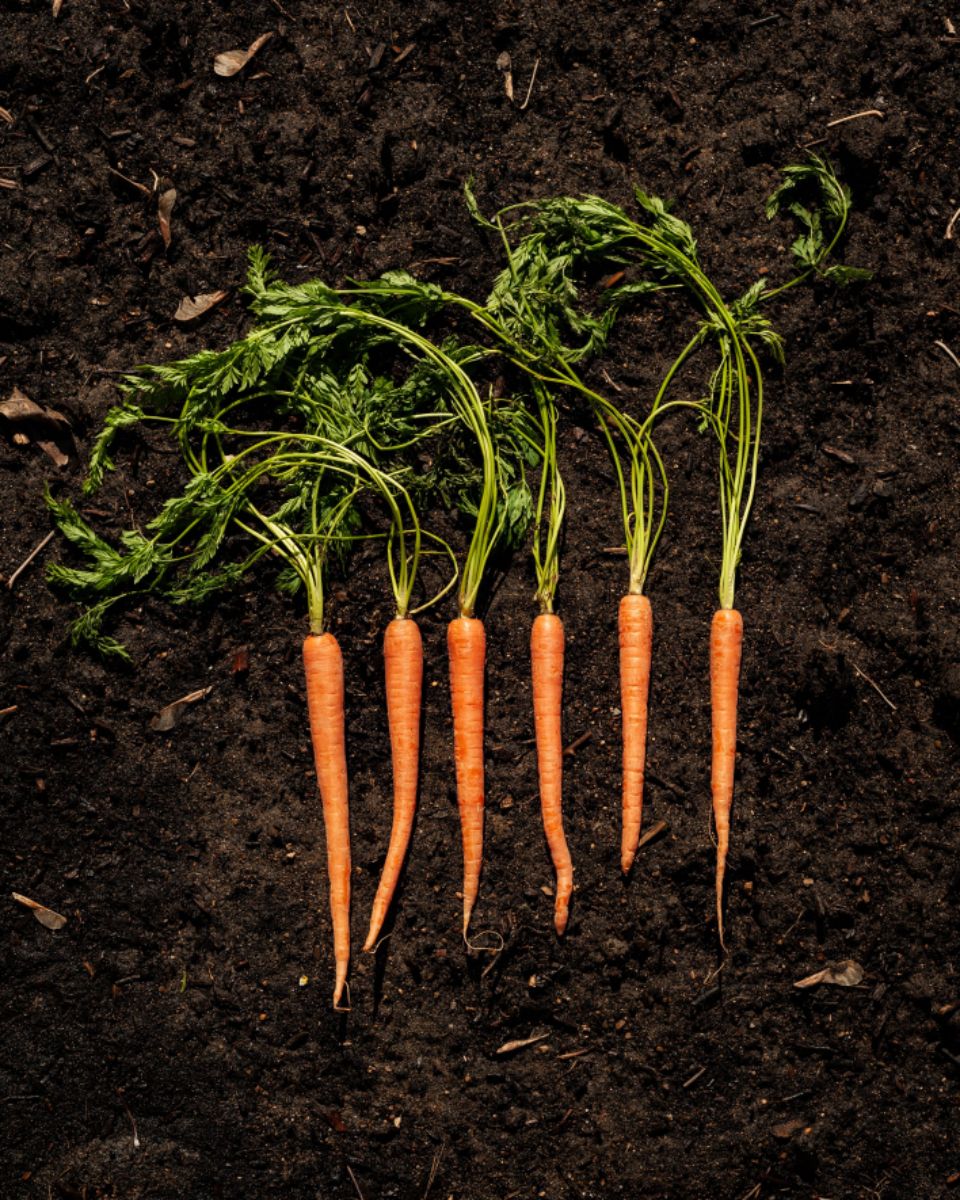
353, 1180
946, 349
876, 687
953, 220
533, 76
136, 1136
653, 832
867, 112
606, 374
29, 559
8, 711
141, 187
764, 20
580, 741
346, 14
434, 1168
694, 1077
279, 7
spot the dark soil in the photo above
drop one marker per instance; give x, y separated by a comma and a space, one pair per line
161, 1044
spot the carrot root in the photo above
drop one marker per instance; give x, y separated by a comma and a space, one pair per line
546, 660
726, 642
403, 663
636, 650
466, 647
323, 666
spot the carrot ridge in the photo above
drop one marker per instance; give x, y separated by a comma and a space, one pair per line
636, 651
546, 662
466, 647
726, 643
403, 665
323, 666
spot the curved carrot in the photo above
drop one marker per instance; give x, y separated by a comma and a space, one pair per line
466, 646
403, 662
726, 640
323, 664
546, 661
636, 649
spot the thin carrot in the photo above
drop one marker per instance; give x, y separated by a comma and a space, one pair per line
726, 640
636, 649
323, 665
466, 646
546, 660
403, 662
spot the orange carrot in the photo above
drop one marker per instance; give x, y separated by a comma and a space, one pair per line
403, 661
636, 649
324, 670
466, 647
726, 639
546, 660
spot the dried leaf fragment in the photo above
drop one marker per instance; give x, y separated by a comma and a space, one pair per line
57, 5
170, 714
164, 209
231, 61
191, 307
30, 422
521, 1043
46, 916
6, 115
505, 67
786, 1129
842, 974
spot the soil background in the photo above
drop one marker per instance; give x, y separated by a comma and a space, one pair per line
161, 1045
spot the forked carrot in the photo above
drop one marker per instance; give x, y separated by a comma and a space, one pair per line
466, 646
403, 662
636, 649
546, 661
726, 640
323, 665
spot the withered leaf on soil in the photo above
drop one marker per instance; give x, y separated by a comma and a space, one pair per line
170, 714
29, 422
164, 208
231, 61
191, 307
509, 1047
6, 115
46, 916
843, 974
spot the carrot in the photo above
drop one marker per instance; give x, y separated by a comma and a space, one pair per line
403, 661
323, 664
636, 649
466, 646
726, 639
546, 660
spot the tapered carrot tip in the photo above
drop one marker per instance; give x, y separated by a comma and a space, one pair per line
636, 649
324, 677
466, 647
403, 662
726, 642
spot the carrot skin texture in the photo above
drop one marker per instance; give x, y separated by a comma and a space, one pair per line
466, 647
546, 663
323, 665
726, 642
636, 651
403, 663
